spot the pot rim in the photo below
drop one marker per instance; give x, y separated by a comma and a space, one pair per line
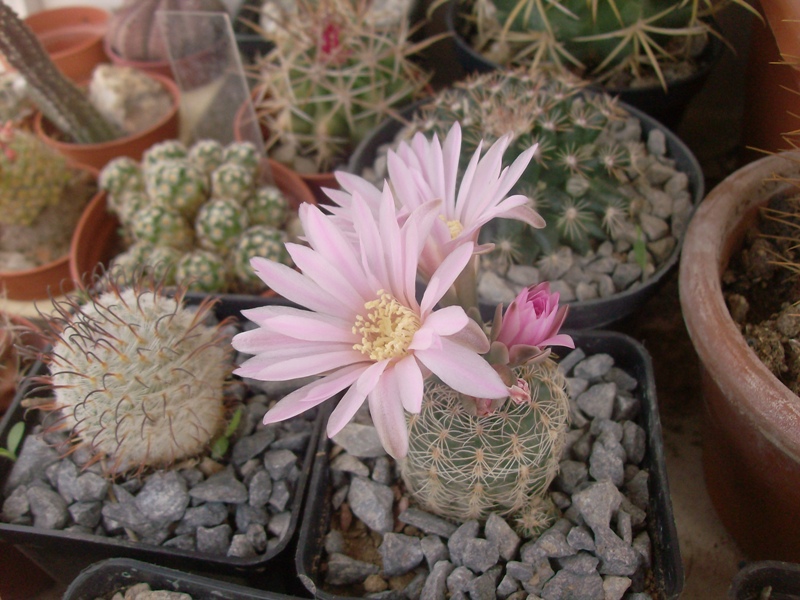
709, 242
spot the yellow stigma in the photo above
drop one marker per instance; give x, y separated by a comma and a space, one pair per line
454, 226
387, 329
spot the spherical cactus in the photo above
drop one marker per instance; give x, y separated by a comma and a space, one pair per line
206, 155
177, 185
243, 154
202, 271
333, 75
166, 150
161, 226
219, 223
464, 466
32, 176
138, 377
131, 261
259, 240
162, 264
268, 206
231, 180
122, 174
127, 204
574, 177
134, 33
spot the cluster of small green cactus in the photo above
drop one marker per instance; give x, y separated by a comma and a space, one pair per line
574, 177
599, 40
138, 376
334, 74
32, 176
59, 99
464, 466
196, 215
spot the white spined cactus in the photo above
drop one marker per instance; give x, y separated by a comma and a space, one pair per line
138, 376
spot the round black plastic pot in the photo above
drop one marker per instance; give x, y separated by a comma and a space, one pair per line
63, 554
771, 579
586, 314
102, 580
629, 355
667, 107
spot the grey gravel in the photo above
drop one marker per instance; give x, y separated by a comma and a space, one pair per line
280, 496
343, 570
214, 540
500, 533
434, 550
436, 583
360, 440
259, 490
400, 553
372, 503
427, 522
459, 580
48, 508
279, 463
221, 487
252, 445
163, 498
457, 543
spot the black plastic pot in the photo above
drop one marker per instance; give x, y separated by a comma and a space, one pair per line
251, 44
586, 314
667, 107
103, 579
628, 354
63, 554
782, 579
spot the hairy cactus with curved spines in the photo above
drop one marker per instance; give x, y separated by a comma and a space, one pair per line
464, 466
334, 74
574, 177
32, 176
603, 40
138, 377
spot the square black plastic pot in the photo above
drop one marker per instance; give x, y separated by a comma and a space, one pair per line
103, 579
63, 554
628, 354
781, 578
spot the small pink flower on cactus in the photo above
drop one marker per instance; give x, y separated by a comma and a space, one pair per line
530, 324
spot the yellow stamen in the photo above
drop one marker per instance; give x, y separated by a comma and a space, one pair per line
454, 226
387, 329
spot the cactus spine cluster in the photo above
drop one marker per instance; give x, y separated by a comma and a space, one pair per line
60, 100
138, 376
32, 176
464, 466
193, 216
334, 74
574, 178
598, 39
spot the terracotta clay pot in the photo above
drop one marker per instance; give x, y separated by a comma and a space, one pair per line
96, 241
14, 331
50, 278
751, 439
73, 37
133, 146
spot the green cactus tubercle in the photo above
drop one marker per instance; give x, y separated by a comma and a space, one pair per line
32, 176
465, 467
139, 377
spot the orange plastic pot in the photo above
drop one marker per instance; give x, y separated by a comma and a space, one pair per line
751, 437
52, 278
96, 240
133, 146
73, 37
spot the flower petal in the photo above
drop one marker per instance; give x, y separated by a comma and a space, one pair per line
410, 384
463, 370
386, 409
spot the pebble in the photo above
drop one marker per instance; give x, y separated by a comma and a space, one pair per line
360, 441
400, 553
372, 503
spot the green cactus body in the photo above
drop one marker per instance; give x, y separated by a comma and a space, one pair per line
162, 151
161, 226
177, 185
162, 263
465, 467
231, 180
127, 204
131, 261
268, 206
597, 39
121, 175
32, 176
243, 154
206, 155
333, 75
139, 378
219, 223
202, 271
259, 240
574, 177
